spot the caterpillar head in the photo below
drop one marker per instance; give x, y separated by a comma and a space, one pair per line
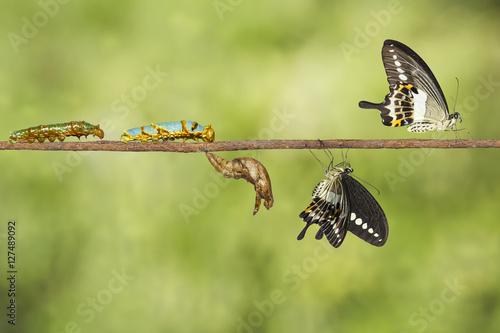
208, 134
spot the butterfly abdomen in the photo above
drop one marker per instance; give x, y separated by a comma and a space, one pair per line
422, 127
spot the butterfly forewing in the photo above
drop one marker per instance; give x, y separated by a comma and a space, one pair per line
403, 66
367, 220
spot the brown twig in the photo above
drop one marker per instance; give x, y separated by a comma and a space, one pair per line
197, 147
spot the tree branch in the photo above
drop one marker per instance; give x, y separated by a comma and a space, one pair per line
196, 147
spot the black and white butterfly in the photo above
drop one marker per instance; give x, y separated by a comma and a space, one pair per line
340, 204
415, 97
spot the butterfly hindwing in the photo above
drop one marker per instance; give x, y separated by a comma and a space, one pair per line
415, 96
328, 209
335, 229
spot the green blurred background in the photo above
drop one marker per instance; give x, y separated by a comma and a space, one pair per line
182, 240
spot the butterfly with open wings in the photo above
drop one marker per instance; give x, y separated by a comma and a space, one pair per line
415, 97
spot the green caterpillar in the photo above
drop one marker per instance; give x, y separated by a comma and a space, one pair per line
55, 131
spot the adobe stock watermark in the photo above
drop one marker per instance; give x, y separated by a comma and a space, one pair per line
222, 7
292, 279
410, 162
30, 26
89, 309
120, 108
426, 315
482, 92
204, 193
407, 166
363, 36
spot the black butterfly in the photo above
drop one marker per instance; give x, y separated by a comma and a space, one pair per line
340, 203
415, 97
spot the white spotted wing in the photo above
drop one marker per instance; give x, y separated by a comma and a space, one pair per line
367, 220
415, 97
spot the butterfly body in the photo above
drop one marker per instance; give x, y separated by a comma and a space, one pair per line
340, 204
415, 99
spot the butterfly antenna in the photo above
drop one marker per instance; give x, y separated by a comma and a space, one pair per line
454, 128
456, 97
454, 108
467, 132
364, 181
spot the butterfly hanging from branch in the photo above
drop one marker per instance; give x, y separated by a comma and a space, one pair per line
340, 204
415, 99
